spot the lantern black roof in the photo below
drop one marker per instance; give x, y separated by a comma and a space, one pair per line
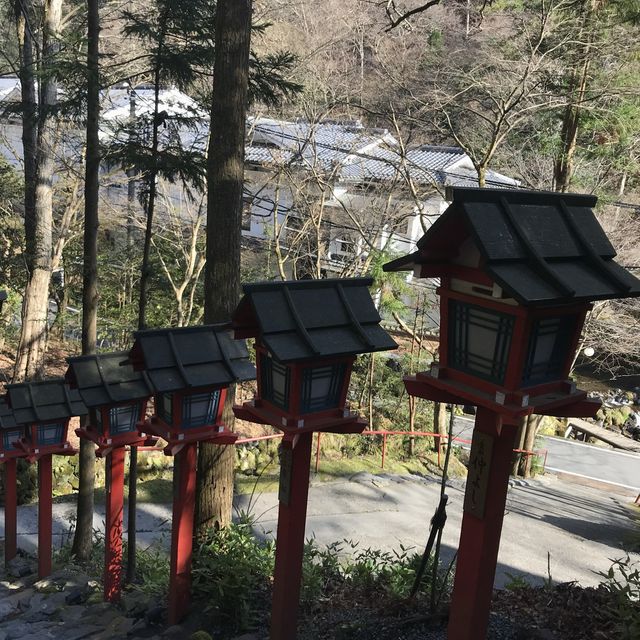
306, 319
107, 379
540, 247
191, 357
7, 419
44, 401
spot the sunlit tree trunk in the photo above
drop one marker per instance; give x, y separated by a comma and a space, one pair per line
38, 186
83, 539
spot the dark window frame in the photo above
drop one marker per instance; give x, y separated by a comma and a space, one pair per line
49, 441
115, 413
461, 317
336, 373
267, 367
160, 408
563, 327
213, 400
7, 440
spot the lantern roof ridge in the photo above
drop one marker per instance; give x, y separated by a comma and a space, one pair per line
44, 401
107, 379
305, 319
7, 419
541, 247
191, 357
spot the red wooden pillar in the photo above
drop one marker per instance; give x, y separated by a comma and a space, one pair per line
44, 516
485, 499
10, 510
294, 489
114, 470
184, 500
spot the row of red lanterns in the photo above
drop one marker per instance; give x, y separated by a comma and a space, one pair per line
518, 273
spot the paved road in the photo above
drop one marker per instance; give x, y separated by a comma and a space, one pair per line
581, 528
581, 460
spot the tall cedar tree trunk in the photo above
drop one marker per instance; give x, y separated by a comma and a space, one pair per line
83, 539
225, 174
564, 163
151, 178
39, 226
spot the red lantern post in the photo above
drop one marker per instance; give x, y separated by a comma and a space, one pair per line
116, 397
518, 271
44, 408
10, 433
308, 334
189, 370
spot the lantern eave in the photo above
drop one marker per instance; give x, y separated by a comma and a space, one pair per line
338, 422
216, 434
563, 400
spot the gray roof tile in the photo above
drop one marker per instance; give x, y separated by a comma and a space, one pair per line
306, 319
191, 357
107, 379
541, 247
7, 419
46, 401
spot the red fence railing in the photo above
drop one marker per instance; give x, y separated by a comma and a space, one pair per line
385, 434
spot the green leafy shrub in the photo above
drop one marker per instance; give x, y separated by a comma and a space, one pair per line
231, 576
623, 581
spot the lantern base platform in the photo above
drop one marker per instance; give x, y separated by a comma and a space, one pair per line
106, 445
13, 454
350, 423
33, 454
565, 401
215, 434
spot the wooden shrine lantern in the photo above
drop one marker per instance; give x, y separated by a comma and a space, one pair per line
44, 409
189, 369
518, 270
117, 394
518, 273
308, 334
11, 433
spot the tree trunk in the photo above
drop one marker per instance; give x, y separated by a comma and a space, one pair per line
225, 175
563, 165
83, 539
440, 423
533, 424
29, 126
522, 428
151, 178
33, 336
